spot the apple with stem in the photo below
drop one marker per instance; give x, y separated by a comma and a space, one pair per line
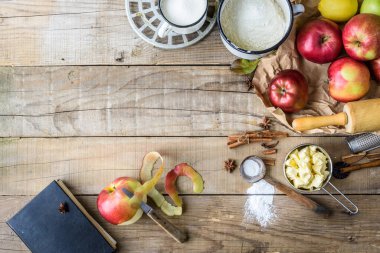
288, 90
361, 37
320, 41
116, 207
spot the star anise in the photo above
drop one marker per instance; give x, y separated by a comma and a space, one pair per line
265, 124
229, 165
62, 207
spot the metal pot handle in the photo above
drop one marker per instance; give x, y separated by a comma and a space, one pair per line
350, 212
298, 9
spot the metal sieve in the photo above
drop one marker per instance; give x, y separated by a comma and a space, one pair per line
325, 183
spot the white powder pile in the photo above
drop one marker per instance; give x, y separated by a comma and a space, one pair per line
259, 208
253, 24
183, 12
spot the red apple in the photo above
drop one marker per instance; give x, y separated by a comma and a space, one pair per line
114, 205
288, 90
375, 64
320, 41
361, 37
349, 80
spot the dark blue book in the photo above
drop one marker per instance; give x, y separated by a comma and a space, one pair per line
55, 221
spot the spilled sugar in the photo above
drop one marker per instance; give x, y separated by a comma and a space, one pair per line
259, 208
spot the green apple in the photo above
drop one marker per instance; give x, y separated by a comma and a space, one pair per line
370, 6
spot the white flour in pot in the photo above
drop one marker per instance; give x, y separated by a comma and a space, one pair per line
253, 24
259, 208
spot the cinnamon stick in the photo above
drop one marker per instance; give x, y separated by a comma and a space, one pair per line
269, 151
373, 156
262, 134
236, 144
354, 158
269, 161
250, 140
266, 136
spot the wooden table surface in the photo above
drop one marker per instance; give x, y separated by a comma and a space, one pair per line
72, 108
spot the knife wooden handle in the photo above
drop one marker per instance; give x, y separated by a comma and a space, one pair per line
166, 225
301, 199
361, 166
308, 123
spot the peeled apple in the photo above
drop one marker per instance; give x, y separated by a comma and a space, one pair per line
116, 207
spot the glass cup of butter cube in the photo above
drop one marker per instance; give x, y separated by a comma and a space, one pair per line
253, 169
318, 181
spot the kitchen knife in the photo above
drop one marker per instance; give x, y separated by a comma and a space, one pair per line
169, 228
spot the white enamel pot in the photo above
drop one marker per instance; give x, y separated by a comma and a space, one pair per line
290, 11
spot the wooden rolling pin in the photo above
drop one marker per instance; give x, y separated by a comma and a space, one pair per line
360, 116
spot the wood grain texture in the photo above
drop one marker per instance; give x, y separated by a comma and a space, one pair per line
87, 165
301, 199
100, 112
220, 229
93, 32
126, 101
88, 32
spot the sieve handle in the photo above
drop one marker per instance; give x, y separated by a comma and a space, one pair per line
350, 212
301, 199
361, 166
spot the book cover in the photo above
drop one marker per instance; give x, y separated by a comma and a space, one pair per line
43, 227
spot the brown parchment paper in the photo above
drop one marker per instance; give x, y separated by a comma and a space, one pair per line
287, 57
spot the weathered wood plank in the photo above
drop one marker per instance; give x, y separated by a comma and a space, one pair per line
126, 101
214, 224
88, 164
87, 33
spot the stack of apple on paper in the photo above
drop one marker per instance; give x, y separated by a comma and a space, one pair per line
351, 47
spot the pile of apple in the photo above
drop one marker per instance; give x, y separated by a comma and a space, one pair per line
322, 41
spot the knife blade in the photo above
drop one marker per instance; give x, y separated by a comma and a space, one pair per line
169, 228
144, 206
